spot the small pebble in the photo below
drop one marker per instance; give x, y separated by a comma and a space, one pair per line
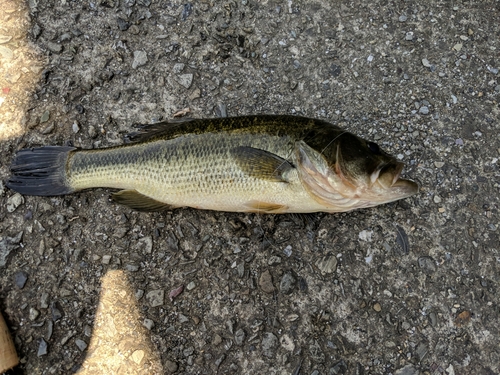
56, 313
185, 80
409, 35
216, 340
75, 128
335, 70
54, 47
106, 259
7, 245
288, 250
65, 37
36, 31
80, 108
50, 329
34, 313
179, 67
433, 319
274, 260
239, 337
148, 323
134, 29
91, 131
155, 297
175, 292
423, 110
44, 117
145, 244
327, 264
170, 367
493, 70
437, 199
20, 278
407, 370
122, 24
377, 307
219, 360
132, 267
6, 53
365, 235
287, 283
427, 264
186, 11
138, 356
82, 345
14, 202
287, 343
426, 63
269, 344
191, 286
266, 282
48, 129
5, 39
402, 18
44, 300
87, 330
139, 294
42, 348
140, 59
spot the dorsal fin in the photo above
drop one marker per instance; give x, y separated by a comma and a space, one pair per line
165, 129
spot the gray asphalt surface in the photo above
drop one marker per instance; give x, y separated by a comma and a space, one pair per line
405, 288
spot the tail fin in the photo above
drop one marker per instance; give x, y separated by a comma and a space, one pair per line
40, 171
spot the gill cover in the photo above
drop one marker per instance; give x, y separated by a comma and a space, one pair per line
321, 181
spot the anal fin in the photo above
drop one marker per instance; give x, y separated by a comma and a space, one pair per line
138, 201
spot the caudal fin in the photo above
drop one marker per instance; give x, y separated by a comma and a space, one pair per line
40, 171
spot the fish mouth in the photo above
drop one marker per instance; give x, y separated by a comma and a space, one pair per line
389, 178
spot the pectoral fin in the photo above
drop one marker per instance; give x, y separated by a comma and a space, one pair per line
262, 164
138, 201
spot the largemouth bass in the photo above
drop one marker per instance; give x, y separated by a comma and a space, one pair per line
265, 163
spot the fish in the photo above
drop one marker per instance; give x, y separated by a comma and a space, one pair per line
262, 163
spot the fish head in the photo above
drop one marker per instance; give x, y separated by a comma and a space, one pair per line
350, 172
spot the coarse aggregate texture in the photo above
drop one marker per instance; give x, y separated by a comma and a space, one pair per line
410, 287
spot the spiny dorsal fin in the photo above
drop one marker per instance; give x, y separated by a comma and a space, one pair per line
261, 164
168, 129
139, 202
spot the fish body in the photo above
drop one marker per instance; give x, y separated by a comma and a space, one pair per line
266, 163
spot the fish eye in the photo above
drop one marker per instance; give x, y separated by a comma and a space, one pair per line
373, 147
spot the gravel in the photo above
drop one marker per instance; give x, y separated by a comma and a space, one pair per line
407, 287
155, 297
20, 279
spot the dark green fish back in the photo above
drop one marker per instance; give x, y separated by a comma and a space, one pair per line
274, 125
